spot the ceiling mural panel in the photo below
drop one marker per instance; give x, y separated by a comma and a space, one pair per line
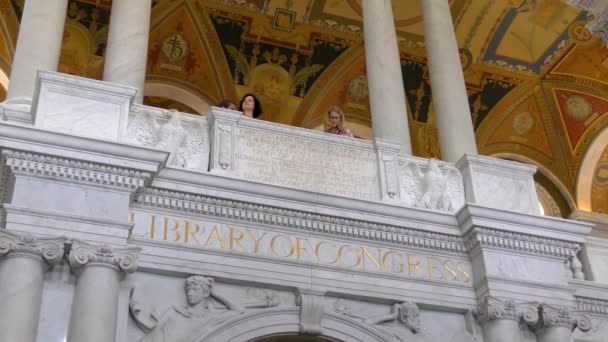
599, 189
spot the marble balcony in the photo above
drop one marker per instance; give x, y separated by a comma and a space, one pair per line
112, 209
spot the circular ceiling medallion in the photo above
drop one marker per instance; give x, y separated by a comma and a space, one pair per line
601, 174
579, 33
402, 10
578, 108
523, 123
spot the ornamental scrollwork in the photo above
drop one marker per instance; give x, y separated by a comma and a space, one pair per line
123, 259
48, 249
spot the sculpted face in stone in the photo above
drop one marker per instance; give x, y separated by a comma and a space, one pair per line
197, 290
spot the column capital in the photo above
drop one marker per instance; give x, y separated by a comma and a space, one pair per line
49, 250
494, 309
561, 316
121, 259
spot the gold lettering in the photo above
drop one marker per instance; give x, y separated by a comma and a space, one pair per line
238, 239
365, 252
447, 266
175, 230
317, 252
416, 265
341, 255
152, 227
463, 272
274, 251
299, 247
256, 242
188, 233
386, 265
216, 235
132, 217
432, 267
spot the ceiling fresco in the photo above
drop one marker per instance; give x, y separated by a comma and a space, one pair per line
537, 80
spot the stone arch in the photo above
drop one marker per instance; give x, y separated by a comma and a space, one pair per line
200, 105
587, 167
286, 321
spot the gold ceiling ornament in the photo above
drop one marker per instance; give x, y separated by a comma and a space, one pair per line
357, 88
578, 108
175, 47
523, 123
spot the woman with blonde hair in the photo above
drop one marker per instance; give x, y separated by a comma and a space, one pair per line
335, 122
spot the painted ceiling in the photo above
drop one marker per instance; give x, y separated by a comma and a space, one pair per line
537, 80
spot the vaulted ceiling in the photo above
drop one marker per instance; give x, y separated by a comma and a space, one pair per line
537, 79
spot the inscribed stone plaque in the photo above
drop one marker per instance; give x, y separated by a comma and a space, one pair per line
306, 164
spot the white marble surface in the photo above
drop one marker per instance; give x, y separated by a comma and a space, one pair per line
386, 94
81, 106
127, 49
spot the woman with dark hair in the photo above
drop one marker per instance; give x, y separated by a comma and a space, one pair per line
227, 104
250, 106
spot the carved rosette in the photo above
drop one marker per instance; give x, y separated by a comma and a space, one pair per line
50, 250
122, 259
561, 316
493, 309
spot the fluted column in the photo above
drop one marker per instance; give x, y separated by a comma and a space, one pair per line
454, 124
99, 270
386, 94
38, 46
558, 322
500, 319
25, 260
127, 49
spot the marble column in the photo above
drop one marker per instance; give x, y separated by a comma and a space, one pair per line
38, 46
127, 49
99, 270
558, 322
500, 319
25, 260
454, 124
386, 93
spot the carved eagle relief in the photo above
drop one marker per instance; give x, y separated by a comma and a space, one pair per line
436, 185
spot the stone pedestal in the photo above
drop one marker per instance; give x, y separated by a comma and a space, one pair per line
38, 47
24, 260
386, 94
95, 308
127, 51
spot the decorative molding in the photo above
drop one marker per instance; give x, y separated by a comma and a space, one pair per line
122, 259
50, 250
311, 311
493, 308
592, 305
561, 316
493, 238
73, 170
301, 220
599, 25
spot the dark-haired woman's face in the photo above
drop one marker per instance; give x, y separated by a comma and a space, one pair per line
248, 106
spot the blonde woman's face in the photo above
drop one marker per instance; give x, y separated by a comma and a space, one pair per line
334, 119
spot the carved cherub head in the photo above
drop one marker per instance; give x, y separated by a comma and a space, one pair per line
198, 288
409, 315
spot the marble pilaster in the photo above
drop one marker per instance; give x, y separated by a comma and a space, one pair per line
557, 323
24, 260
456, 135
500, 319
99, 270
38, 47
127, 50
386, 93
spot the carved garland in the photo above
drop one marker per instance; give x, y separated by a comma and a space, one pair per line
297, 219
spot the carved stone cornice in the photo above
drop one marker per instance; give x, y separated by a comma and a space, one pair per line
493, 308
592, 305
49, 250
73, 170
122, 259
302, 220
494, 238
561, 316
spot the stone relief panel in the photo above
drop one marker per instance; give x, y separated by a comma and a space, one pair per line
185, 136
306, 163
431, 184
159, 315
